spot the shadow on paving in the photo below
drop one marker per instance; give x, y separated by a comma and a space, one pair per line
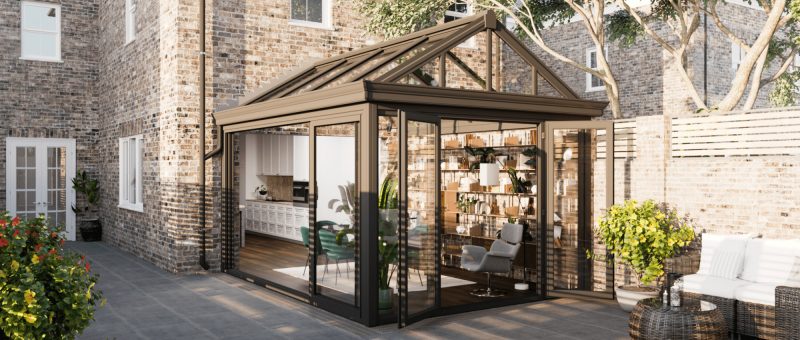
145, 302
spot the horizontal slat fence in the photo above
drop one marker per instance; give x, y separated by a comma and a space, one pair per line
624, 140
757, 133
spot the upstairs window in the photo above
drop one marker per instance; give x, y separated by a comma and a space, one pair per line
312, 13
130, 20
737, 55
457, 11
40, 31
593, 83
130, 173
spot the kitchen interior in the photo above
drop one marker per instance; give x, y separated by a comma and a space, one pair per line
273, 195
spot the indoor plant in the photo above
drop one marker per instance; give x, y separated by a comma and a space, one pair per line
45, 292
90, 227
387, 239
347, 202
642, 237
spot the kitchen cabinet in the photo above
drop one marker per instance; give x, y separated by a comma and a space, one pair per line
278, 219
277, 155
300, 160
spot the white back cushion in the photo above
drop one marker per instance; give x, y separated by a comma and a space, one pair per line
770, 261
728, 260
711, 243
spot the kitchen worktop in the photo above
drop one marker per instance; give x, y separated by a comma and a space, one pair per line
294, 204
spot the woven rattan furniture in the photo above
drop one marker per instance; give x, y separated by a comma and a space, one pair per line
694, 319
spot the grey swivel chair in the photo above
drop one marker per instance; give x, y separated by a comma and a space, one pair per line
497, 260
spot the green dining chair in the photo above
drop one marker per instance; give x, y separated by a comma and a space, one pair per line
304, 234
333, 251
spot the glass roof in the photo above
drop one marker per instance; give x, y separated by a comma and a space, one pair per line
475, 53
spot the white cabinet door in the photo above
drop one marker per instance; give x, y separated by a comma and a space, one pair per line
300, 160
287, 150
265, 160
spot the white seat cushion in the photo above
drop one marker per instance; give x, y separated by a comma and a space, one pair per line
725, 244
712, 285
761, 293
771, 261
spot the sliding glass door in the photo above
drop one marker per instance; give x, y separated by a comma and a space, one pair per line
419, 275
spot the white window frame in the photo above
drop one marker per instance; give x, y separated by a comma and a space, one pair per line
57, 32
737, 55
327, 17
130, 173
589, 87
469, 43
130, 21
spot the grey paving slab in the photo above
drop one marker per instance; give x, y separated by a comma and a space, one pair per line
145, 302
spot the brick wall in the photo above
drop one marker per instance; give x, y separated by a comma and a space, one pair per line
51, 99
725, 194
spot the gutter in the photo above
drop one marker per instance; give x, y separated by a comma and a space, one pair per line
201, 13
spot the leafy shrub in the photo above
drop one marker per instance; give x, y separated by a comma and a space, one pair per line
45, 292
643, 236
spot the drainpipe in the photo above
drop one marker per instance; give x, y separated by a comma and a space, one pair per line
201, 13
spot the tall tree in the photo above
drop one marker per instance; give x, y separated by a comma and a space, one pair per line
672, 24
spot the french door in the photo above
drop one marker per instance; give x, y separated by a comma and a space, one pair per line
39, 173
419, 274
579, 189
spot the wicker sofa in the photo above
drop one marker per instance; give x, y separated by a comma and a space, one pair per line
754, 282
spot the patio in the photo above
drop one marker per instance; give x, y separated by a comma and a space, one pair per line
145, 302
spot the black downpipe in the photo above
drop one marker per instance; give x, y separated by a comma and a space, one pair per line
201, 13
705, 54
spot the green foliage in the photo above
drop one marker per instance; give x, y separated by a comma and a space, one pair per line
623, 28
347, 203
784, 92
45, 292
518, 184
394, 18
387, 194
88, 187
387, 254
482, 155
531, 153
643, 236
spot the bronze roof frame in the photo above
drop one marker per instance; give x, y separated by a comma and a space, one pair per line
278, 98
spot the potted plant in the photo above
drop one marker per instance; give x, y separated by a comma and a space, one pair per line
347, 202
261, 191
45, 292
518, 184
642, 237
89, 224
387, 240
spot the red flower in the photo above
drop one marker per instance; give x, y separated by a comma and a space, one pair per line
3, 223
37, 247
61, 243
88, 267
16, 233
3, 242
27, 232
52, 251
15, 221
54, 234
41, 257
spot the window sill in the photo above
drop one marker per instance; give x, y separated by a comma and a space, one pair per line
311, 24
52, 60
596, 89
132, 207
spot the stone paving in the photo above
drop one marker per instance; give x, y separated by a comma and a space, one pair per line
145, 302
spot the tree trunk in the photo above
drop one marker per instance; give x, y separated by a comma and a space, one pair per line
755, 81
612, 92
742, 77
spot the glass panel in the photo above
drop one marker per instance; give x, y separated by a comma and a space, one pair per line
22, 201
579, 199
299, 9
56, 186
21, 157
22, 181
131, 162
388, 213
39, 17
40, 44
31, 179
421, 228
314, 10
337, 203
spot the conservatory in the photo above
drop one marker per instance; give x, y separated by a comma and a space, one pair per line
445, 171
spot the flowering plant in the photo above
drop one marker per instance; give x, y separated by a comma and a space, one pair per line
45, 292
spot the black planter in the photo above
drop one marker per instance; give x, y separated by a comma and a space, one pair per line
91, 230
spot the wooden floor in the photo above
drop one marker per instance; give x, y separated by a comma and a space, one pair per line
262, 255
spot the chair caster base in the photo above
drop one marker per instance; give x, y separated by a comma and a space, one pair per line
487, 292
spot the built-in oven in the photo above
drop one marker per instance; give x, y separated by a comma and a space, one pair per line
300, 192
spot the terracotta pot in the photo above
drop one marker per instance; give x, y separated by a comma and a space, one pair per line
627, 297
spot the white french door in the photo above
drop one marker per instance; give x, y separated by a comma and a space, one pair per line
39, 173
